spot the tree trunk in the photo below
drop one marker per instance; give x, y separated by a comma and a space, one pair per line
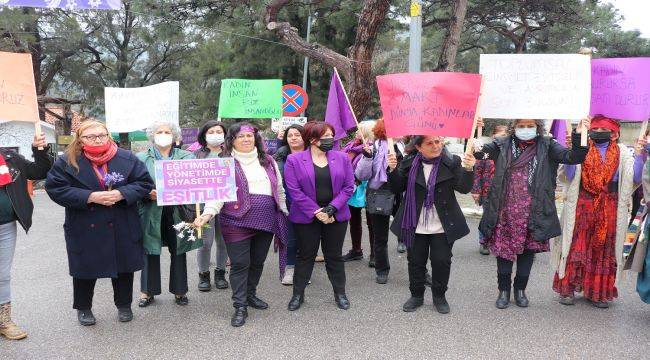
356, 68
447, 60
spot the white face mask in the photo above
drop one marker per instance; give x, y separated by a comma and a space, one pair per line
525, 134
163, 140
214, 139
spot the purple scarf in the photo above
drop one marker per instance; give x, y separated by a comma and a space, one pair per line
410, 220
354, 148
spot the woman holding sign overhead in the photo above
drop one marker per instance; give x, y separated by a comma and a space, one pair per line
429, 219
321, 182
249, 224
589, 254
100, 186
519, 214
158, 222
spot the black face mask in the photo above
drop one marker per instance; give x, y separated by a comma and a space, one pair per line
600, 137
326, 144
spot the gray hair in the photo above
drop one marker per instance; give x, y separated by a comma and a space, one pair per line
541, 129
151, 130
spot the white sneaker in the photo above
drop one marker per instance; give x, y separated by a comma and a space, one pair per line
288, 276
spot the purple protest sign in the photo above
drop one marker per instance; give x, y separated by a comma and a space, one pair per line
620, 88
195, 181
67, 4
189, 135
272, 145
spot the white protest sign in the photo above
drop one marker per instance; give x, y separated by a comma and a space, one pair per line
535, 86
282, 123
131, 109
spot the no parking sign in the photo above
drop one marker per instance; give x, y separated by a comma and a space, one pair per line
294, 100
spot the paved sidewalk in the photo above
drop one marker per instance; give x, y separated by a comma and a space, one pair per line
374, 328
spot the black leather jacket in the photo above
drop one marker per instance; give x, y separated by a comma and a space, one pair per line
22, 170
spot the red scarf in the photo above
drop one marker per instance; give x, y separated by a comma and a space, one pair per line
596, 176
5, 176
100, 155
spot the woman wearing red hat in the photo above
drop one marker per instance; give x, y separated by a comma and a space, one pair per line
587, 256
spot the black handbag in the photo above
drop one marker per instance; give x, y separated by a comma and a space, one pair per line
380, 202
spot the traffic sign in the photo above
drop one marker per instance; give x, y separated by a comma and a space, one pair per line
294, 100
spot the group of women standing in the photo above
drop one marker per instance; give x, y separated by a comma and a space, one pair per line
302, 199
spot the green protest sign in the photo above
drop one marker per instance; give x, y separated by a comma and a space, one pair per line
242, 98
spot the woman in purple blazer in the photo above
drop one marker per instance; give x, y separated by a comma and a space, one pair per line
321, 182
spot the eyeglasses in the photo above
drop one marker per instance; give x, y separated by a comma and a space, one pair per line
93, 138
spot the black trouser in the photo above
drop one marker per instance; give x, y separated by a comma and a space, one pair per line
246, 265
436, 248
84, 289
330, 237
380, 231
150, 276
504, 271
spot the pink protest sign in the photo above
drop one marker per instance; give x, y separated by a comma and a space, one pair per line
195, 181
620, 88
438, 103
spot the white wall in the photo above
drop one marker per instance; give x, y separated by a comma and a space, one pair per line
21, 134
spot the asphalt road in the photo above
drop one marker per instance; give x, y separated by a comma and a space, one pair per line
375, 326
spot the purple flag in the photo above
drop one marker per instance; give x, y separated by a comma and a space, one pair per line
67, 4
339, 113
558, 131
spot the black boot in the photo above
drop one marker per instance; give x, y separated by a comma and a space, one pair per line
220, 279
124, 314
257, 303
295, 302
412, 304
353, 255
505, 283
342, 301
441, 304
204, 281
86, 317
520, 298
239, 317
503, 300
520, 294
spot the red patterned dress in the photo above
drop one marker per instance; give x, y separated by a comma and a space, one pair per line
591, 264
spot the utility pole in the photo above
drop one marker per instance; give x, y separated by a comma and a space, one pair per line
305, 70
415, 37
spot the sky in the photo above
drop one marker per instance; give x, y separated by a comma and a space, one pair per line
636, 13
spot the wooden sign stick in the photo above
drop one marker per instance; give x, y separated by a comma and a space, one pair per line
584, 134
38, 131
469, 149
198, 214
644, 128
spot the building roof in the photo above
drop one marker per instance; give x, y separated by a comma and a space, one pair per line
77, 118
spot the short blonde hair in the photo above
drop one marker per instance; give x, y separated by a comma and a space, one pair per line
365, 128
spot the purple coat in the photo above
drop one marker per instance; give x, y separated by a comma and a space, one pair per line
301, 184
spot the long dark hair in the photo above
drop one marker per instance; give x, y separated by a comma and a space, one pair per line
204, 130
300, 129
259, 142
